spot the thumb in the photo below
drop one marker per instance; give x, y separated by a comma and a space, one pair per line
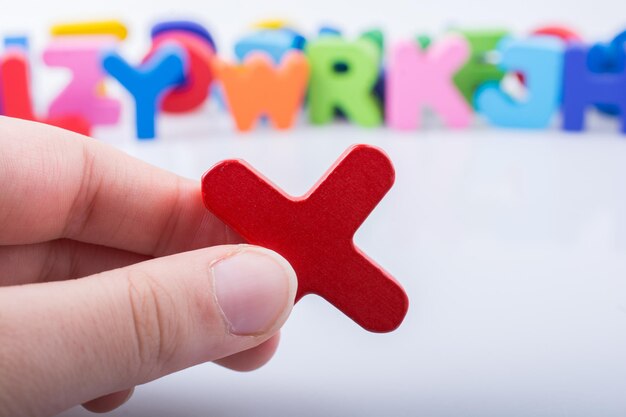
65, 343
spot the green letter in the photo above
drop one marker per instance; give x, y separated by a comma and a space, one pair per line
478, 70
343, 75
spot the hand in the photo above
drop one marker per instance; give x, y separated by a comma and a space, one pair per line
103, 282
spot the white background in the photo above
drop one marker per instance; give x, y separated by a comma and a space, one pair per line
510, 244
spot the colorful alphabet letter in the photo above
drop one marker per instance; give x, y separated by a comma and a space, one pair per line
416, 78
257, 88
343, 76
194, 91
479, 69
274, 42
540, 60
16, 95
315, 232
82, 56
149, 82
582, 88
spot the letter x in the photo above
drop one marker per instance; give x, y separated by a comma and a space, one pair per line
315, 232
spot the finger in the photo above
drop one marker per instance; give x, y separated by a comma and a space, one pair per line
57, 184
246, 361
86, 338
252, 359
109, 402
59, 260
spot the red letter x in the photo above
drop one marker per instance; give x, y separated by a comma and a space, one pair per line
315, 232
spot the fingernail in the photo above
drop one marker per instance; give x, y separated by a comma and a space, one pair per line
254, 288
130, 394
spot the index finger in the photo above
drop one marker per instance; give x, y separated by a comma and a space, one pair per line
57, 184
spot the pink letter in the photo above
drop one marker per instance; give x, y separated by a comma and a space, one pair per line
416, 78
83, 95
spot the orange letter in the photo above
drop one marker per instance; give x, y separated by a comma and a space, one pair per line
257, 89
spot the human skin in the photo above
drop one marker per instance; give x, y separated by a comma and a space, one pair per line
113, 274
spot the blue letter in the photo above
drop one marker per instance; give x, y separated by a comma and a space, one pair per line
541, 61
148, 82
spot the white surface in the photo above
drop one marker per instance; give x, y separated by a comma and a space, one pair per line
512, 245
